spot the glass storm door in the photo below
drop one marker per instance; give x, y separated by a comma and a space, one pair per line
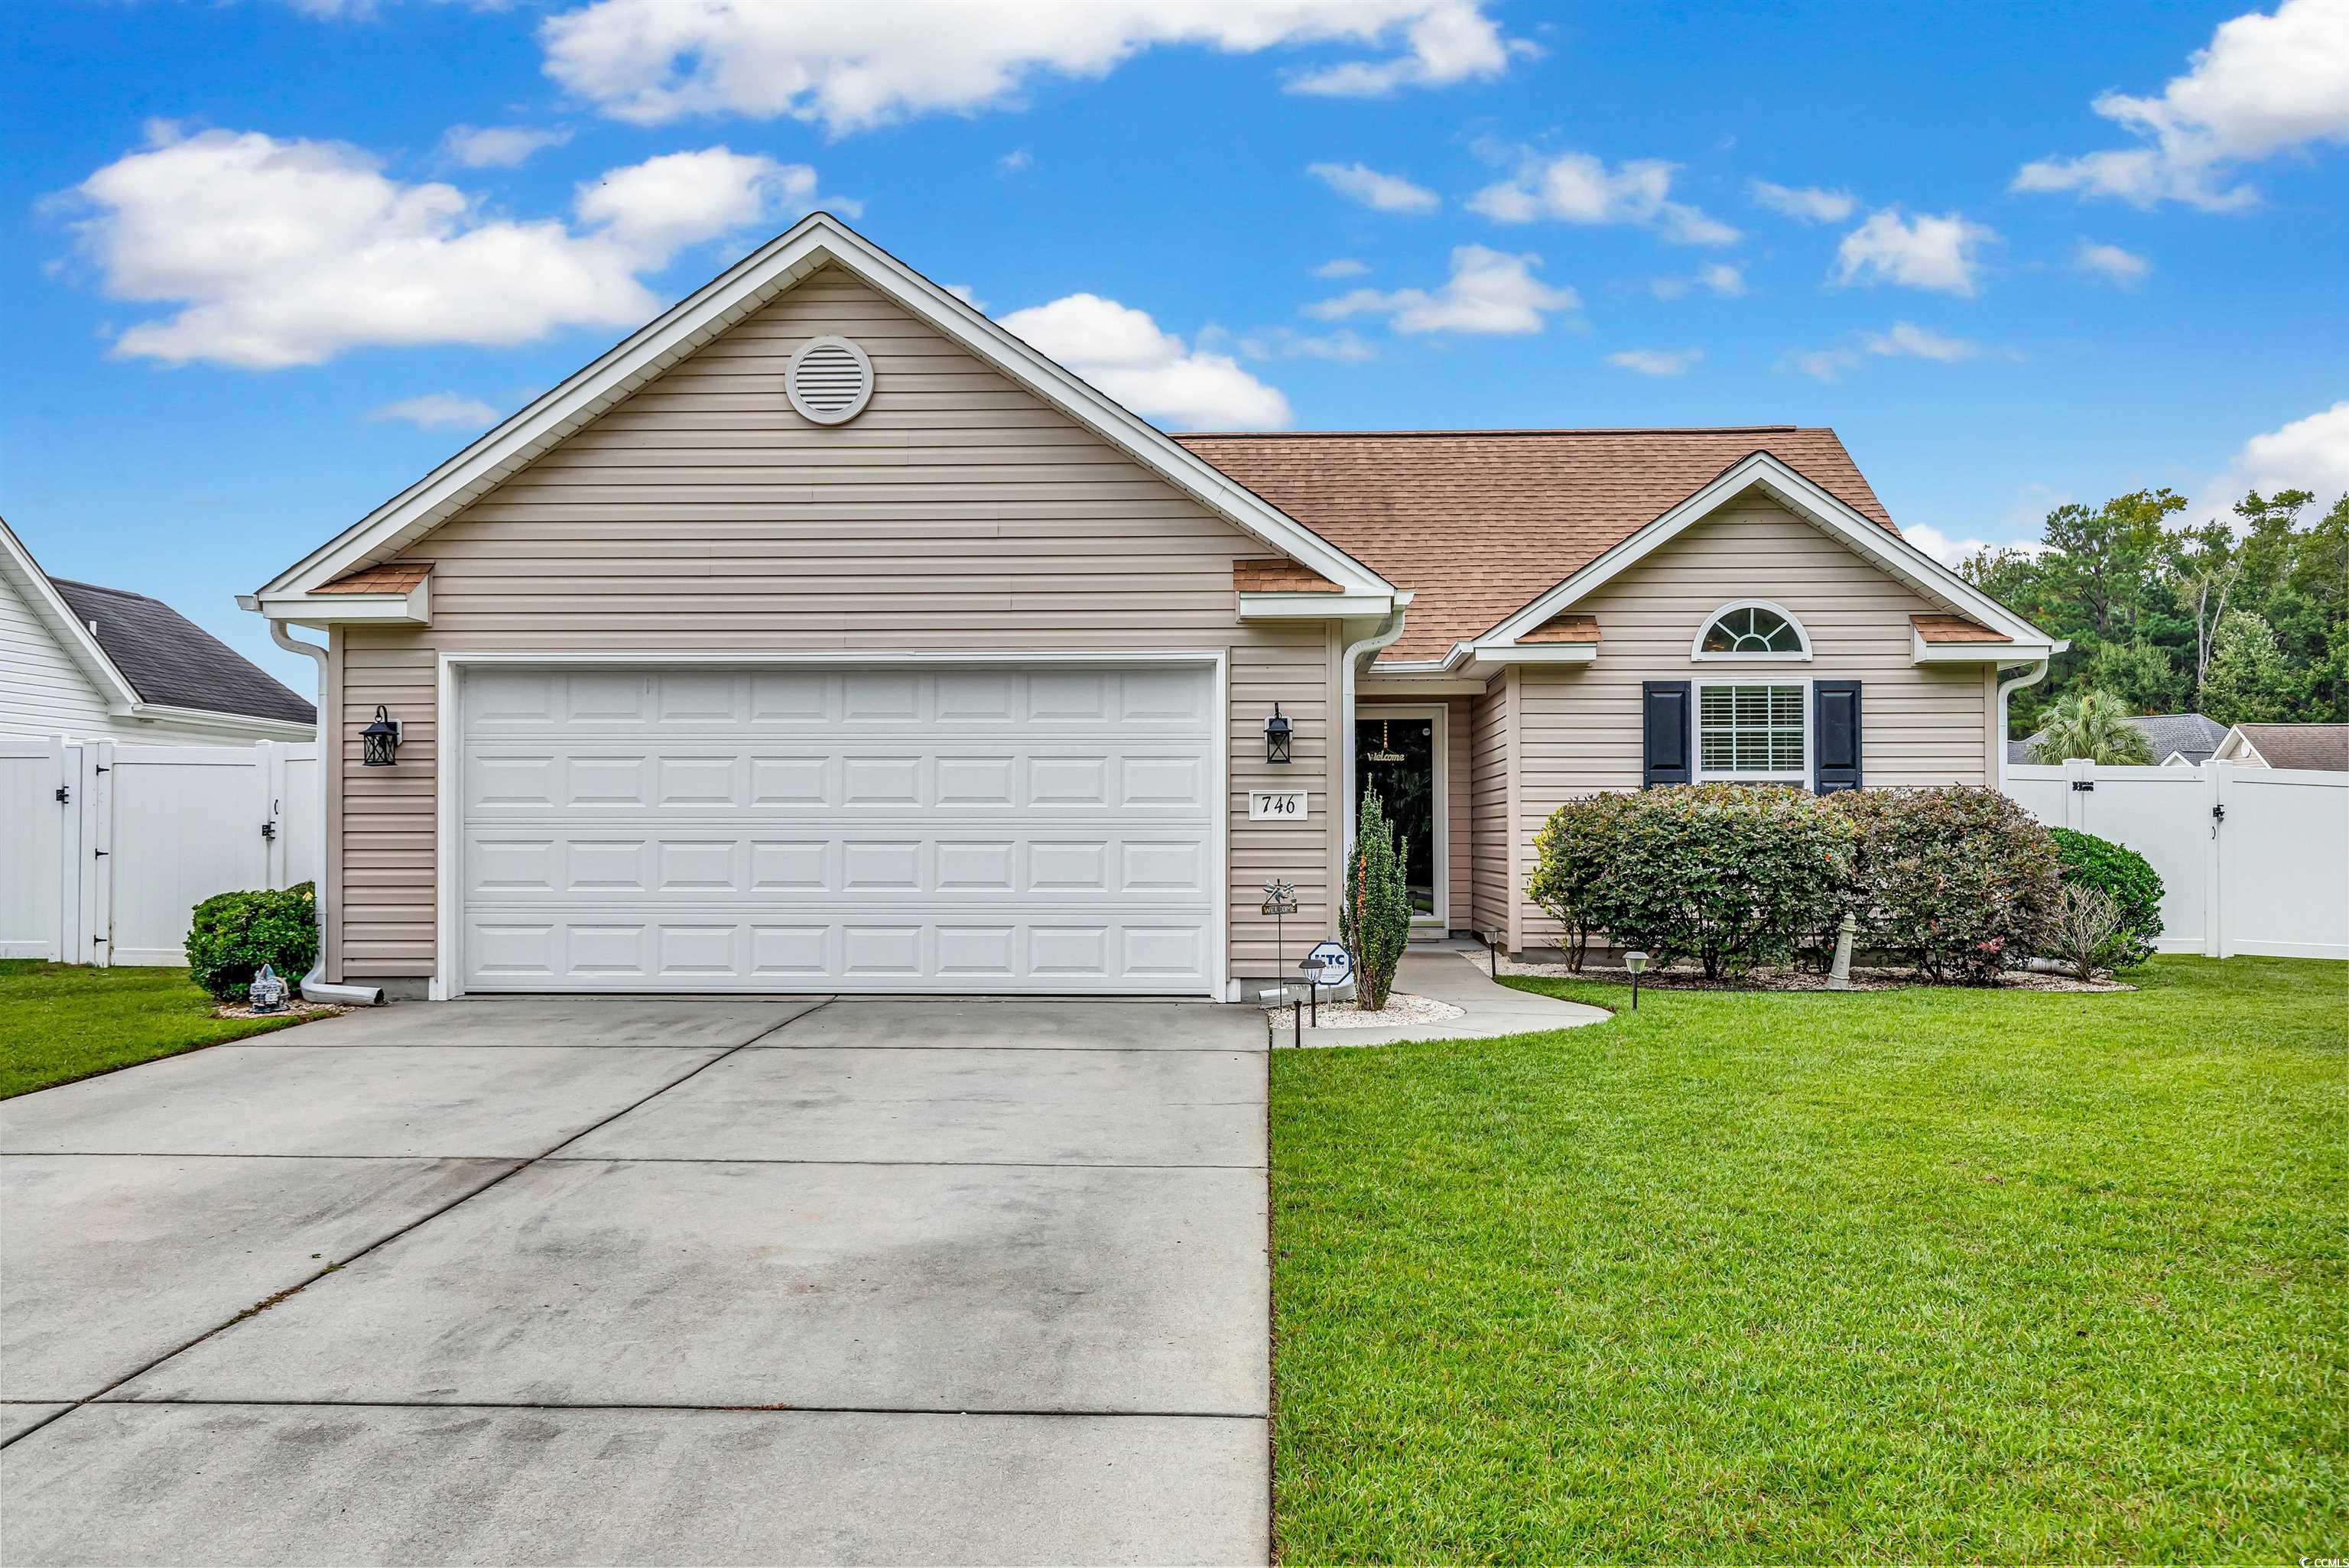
1395, 760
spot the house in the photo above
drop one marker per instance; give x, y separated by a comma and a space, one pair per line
2174, 739
824, 636
2322, 748
109, 665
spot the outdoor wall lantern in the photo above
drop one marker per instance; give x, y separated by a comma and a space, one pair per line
1276, 737
380, 741
1637, 963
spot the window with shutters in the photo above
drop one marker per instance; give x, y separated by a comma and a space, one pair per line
1755, 732
1751, 629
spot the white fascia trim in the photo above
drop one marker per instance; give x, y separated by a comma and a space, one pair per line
239, 726
1921, 652
413, 607
1535, 653
814, 241
113, 687
1894, 554
1313, 606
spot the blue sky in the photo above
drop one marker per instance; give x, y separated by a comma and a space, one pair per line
268, 261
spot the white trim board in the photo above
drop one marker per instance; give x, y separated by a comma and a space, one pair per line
817, 241
447, 837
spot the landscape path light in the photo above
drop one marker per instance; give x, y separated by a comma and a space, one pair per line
1637, 963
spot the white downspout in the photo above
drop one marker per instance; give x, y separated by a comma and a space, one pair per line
2030, 677
314, 984
1389, 630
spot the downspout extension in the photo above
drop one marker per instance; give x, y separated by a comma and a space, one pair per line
2030, 677
1389, 630
314, 987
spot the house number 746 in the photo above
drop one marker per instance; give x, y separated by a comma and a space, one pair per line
1275, 805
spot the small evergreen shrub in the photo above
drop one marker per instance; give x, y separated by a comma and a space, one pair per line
232, 935
1961, 881
1374, 915
1574, 854
1729, 874
2123, 874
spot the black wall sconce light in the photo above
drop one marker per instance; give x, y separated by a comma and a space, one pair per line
1276, 737
380, 741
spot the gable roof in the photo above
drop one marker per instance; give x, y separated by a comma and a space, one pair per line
172, 662
2322, 746
1476, 523
817, 241
2192, 735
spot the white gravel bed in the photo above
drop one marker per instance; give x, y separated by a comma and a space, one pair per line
1776, 979
1400, 1010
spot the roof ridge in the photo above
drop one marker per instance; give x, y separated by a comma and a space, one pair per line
1517, 430
102, 588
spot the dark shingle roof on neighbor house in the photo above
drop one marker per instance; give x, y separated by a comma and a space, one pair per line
2322, 746
1479, 523
170, 660
2191, 736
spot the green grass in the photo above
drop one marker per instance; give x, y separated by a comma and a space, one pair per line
59, 1023
1924, 1275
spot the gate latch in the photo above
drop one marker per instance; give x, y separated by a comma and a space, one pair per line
62, 794
268, 830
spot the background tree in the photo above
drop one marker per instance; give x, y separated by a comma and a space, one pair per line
2094, 725
2250, 681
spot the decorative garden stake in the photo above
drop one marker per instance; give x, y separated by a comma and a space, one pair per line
1280, 903
1839, 976
1636, 963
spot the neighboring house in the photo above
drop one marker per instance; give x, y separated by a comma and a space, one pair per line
2323, 748
2174, 739
824, 636
101, 664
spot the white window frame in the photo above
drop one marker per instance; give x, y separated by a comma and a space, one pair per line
1802, 633
1439, 742
1700, 774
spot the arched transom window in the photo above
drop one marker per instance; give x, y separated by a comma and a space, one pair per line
1752, 629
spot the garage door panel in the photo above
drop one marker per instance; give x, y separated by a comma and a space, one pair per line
989, 828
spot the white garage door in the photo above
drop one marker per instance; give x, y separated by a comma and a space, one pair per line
974, 827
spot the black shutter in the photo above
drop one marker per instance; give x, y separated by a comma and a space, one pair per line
1664, 732
1835, 735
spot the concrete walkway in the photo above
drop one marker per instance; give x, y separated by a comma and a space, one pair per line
583, 1281
1443, 971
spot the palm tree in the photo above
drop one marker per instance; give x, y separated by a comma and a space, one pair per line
2091, 723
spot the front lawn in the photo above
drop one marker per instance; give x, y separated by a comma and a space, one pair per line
60, 1022
1922, 1275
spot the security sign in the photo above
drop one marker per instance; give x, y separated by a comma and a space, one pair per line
1337, 964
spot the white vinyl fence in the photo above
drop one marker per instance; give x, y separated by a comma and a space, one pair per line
105, 848
2252, 860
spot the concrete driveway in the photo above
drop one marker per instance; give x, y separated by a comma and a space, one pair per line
614, 1280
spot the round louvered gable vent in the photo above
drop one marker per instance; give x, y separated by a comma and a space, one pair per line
830, 380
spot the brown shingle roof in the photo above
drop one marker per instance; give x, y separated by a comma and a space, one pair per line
2324, 747
1566, 628
1476, 523
391, 577
1279, 577
1955, 629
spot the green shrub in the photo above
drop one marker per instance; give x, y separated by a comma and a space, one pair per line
1374, 915
1574, 854
1961, 882
1728, 875
234, 934
2127, 877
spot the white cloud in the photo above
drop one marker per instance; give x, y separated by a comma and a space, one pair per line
1718, 277
2111, 264
1340, 267
1929, 253
1488, 292
1951, 551
498, 145
1579, 188
1019, 161
1902, 340
2266, 85
963, 292
1808, 202
1121, 351
1656, 361
289, 253
855, 66
435, 410
1379, 192
1343, 346
2310, 453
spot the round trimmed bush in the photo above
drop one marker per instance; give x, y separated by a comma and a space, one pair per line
1961, 880
2123, 875
232, 935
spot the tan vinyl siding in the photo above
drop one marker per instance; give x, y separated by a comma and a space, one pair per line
1490, 735
702, 514
1580, 727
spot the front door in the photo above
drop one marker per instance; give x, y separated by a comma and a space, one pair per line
1398, 756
